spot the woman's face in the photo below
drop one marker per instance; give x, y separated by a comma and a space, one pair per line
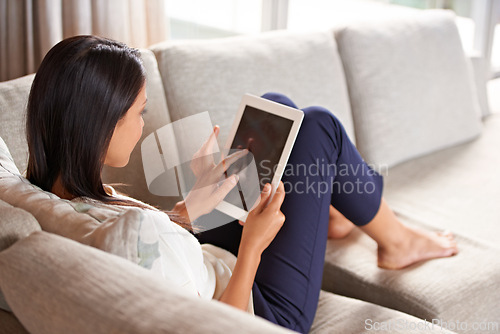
127, 133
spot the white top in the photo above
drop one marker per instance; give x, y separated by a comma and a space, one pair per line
200, 270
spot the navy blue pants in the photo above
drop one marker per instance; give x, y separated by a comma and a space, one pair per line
324, 168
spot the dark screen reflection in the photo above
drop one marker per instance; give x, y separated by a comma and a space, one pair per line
265, 136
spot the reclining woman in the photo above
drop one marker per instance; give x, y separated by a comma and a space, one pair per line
85, 110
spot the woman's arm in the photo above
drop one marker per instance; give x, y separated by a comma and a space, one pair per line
237, 292
260, 228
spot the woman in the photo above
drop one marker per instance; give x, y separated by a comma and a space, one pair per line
85, 110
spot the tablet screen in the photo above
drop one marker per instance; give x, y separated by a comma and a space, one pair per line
264, 135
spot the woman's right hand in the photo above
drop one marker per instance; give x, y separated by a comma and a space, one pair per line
211, 185
260, 228
263, 222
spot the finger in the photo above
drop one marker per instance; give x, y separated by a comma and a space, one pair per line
250, 142
208, 145
279, 197
231, 159
225, 188
264, 197
261, 200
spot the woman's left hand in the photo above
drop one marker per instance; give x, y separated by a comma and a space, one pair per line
211, 183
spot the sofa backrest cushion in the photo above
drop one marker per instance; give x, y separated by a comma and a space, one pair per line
212, 75
13, 101
410, 86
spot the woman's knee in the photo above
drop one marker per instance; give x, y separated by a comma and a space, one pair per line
314, 117
322, 118
319, 115
280, 98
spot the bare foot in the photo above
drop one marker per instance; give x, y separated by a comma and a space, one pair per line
339, 226
416, 245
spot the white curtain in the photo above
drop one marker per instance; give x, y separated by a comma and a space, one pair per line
29, 28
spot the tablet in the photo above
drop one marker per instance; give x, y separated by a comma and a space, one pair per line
268, 130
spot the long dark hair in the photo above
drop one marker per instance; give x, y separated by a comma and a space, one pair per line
84, 86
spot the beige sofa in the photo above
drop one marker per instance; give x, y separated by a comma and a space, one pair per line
406, 93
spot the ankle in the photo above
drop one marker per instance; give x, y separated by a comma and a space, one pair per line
397, 238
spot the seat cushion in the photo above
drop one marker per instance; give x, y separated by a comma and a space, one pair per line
339, 314
455, 189
213, 75
13, 102
411, 87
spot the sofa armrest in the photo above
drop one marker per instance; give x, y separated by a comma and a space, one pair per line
67, 287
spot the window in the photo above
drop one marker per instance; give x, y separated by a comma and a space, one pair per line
476, 19
214, 18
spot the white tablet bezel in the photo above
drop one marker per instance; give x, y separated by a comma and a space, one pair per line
293, 114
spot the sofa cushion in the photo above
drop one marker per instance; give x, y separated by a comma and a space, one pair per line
455, 189
56, 285
462, 288
13, 102
131, 179
411, 88
213, 75
339, 314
